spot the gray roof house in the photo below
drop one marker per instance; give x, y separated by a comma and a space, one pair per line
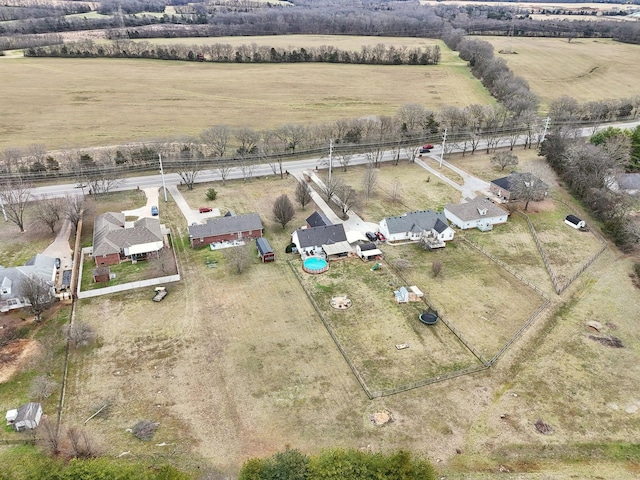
11, 297
478, 213
311, 241
318, 219
114, 238
502, 187
413, 226
221, 229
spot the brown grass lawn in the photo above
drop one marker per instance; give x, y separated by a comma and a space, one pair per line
234, 366
419, 190
375, 323
162, 99
585, 69
17, 247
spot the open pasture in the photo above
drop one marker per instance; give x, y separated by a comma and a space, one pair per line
585, 69
375, 323
485, 303
112, 101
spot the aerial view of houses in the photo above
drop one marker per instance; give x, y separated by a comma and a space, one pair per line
312, 240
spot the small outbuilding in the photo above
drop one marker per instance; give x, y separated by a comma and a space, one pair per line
368, 251
265, 252
575, 222
26, 417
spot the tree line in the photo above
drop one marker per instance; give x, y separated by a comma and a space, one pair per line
379, 54
333, 17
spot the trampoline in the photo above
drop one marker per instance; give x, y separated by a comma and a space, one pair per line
315, 265
428, 317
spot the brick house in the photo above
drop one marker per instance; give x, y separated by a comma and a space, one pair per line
226, 229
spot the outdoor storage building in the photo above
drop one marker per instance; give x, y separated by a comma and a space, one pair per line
264, 250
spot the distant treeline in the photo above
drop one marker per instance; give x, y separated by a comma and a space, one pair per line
379, 54
330, 17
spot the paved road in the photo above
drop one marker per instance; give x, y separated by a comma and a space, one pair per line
262, 170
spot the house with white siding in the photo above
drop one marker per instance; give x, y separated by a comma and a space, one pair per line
414, 226
478, 212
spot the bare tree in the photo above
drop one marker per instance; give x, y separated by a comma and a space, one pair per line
247, 166
237, 258
344, 160
49, 212
189, 164
303, 194
329, 187
11, 157
292, 135
14, 197
248, 140
81, 444
42, 387
527, 187
504, 160
283, 210
74, 209
349, 198
224, 169
38, 293
49, 436
436, 268
217, 139
79, 334
369, 180
402, 264
396, 192
100, 181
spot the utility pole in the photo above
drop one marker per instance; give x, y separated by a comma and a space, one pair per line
164, 186
444, 139
547, 122
330, 155
4, 212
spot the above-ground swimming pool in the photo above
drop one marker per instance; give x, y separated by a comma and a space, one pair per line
315, 265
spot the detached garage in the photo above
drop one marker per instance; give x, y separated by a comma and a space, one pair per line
575, 222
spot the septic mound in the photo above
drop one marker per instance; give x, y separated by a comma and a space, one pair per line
340, 303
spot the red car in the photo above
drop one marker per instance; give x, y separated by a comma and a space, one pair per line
381, 237
205, 209
428, 146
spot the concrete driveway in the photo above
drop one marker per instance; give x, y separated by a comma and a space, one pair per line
152, 199
191, 215
60, 247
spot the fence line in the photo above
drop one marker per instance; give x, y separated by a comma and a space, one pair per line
507, 268
354, 370
559, 288
126, 286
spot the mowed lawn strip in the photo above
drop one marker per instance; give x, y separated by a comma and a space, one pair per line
162, 99
375, 323
585, 69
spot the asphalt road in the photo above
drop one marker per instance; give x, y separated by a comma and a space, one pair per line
261, 170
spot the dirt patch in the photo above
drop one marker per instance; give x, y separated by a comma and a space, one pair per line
545, 205
380, 418
611, 341
14, 355
543, 427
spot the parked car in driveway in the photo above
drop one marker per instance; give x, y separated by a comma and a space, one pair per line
57, 263
381, 237
154, 211
205, 209
371, 236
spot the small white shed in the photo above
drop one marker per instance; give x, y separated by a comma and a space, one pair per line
575, 222
26, 417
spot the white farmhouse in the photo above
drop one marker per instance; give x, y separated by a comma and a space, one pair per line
477, 213
413, 226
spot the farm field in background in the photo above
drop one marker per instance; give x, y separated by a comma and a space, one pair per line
112, 101
585, 69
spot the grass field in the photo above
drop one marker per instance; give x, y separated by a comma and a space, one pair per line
585, 69
162, 99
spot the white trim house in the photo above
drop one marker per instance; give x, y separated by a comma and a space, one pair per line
413, 226
479, 213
